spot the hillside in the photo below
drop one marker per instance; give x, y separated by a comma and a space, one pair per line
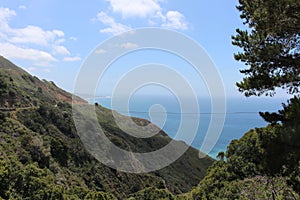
42, 156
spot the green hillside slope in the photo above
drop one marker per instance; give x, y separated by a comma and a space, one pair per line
42, 156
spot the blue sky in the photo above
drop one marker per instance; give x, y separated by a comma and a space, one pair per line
51, 38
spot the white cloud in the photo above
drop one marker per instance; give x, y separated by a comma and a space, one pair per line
72, 59
22, 7
100, 51
113, 26
135, 8
61, 50
175, 20
5, 15
31, 69
34, 35
129, 45
11, 51
151, 10
73, 38
30, 42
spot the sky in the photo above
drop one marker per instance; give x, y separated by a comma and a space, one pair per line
51, 39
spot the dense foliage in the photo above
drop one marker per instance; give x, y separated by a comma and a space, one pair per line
265, 162
271, 46
41, 156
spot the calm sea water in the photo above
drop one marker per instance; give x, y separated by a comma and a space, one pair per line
241, 115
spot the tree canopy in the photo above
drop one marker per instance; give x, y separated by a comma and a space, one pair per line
270, 46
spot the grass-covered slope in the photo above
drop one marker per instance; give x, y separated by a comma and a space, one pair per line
42, 157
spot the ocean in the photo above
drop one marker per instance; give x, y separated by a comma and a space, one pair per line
241, 115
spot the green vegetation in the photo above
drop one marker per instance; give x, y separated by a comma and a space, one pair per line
265, 162
41, 156
270, 46
152, 193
